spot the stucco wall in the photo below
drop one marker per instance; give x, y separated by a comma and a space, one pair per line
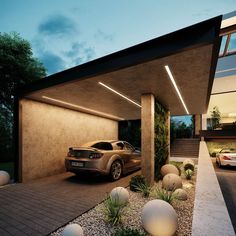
47, 131
197, 124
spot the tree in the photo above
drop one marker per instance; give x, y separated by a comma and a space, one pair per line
215, 117
17, 67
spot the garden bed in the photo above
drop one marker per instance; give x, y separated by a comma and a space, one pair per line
94, 221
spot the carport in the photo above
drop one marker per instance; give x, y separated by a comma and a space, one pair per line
86, 102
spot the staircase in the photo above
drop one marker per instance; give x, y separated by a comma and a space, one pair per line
185, 147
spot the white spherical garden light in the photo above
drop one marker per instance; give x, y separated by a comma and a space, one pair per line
120, 195
169, 169
73, 230
4, 178
171, 182
159, 218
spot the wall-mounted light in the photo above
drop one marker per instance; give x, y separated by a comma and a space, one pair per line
120, 94
81, 108
176, 87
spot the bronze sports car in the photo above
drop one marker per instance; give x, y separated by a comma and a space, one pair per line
106, 157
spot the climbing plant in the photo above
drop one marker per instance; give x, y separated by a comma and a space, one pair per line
161, 135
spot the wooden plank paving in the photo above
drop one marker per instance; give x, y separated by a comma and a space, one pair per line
42, 206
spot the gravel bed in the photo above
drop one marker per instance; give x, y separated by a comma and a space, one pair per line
93, 222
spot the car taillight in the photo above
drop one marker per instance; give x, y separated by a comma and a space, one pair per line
95, 155
226, 158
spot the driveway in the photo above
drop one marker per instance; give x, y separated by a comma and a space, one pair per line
42, 206
227, 180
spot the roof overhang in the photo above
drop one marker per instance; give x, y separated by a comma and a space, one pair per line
190, 53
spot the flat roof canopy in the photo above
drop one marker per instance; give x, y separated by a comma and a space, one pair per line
112, 86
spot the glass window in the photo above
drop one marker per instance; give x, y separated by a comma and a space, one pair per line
103, 146
128, 147
232, 43
222, 46
118, 146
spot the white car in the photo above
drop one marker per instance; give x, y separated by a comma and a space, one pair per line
226, 157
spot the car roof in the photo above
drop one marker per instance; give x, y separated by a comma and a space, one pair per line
97, 141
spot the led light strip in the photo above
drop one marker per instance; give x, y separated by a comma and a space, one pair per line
176, 88
121, 95
83, 108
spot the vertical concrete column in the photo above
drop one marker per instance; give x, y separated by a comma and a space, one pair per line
168, 137
204, 122
197, 124
147, 136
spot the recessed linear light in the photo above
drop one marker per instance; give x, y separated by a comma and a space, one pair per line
84, 108
121, 95
176, 88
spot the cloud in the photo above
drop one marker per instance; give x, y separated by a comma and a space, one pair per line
57, 25
101, 36
80, 53
52, 62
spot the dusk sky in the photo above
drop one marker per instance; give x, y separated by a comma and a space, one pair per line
65, 33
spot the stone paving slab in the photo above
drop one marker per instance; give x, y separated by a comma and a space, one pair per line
42, 206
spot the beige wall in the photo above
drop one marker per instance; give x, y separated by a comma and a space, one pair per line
47, 131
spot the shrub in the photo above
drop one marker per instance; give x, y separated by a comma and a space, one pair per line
136, 181
213, 154
113, 210
128, 232
165, 195
160, 138
144, 188
189, 166
188, 173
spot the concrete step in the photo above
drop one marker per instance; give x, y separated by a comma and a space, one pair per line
185, 148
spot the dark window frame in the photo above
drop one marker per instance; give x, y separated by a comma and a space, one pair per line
225, 51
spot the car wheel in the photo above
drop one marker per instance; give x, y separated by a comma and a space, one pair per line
218, 163
116, 170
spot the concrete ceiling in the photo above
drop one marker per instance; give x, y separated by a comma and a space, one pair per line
190, 68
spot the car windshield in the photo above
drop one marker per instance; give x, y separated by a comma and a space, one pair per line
228, 150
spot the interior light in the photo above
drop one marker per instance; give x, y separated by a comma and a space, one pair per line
84, 108
228, 22
232, 114
176, 88
121, 95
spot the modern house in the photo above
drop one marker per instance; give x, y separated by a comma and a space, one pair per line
86, 102
223, 94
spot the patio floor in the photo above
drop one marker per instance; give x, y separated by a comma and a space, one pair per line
42, 206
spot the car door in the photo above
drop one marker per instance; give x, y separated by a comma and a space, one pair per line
134, 156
